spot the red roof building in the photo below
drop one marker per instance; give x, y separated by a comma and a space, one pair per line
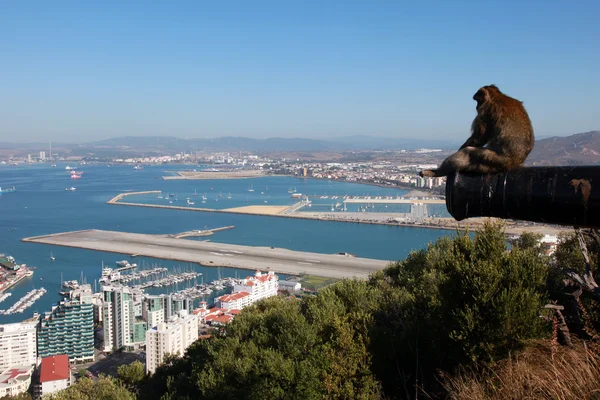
54, 368
55, 374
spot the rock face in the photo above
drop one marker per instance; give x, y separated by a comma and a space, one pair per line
578, 149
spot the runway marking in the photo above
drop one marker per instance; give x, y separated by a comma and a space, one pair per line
305, 263
313, 261
216, 254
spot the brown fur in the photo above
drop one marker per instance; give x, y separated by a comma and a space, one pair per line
501, 139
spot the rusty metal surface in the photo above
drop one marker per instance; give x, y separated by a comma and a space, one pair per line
553, 195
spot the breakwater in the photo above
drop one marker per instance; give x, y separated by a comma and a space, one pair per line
293, 211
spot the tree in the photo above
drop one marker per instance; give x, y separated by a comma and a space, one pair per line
20, 396
131, 375
461, 301
102, 389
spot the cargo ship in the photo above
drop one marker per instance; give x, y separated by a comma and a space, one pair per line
8, 190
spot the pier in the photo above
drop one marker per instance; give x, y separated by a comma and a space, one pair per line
120, 196
205, 232
380, 199
217, 254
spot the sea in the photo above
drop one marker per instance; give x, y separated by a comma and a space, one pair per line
41, 205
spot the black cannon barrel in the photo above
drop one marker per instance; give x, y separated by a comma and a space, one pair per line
554, 195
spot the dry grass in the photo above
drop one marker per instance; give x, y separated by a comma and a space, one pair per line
542, 371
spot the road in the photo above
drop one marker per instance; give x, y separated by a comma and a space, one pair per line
217, 254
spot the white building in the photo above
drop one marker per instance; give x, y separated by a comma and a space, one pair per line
290, 285
16, 380
259, 286
172, 337
189, 328
55, 374
235, 301
18, 345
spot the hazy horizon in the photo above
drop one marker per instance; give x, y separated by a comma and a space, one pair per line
81, 72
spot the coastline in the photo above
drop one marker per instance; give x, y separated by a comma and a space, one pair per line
357, 218
207, 175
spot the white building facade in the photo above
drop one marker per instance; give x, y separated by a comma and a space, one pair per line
172, 337
250, 290
18, 345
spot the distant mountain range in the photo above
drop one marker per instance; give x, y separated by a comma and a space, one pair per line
230, 143
578, 149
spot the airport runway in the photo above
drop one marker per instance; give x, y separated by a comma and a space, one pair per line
213, 254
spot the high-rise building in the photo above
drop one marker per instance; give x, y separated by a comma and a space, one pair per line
160, 308
18, 345
163, 339
172, 337
69, 328
154, 310
42, 155
121, 327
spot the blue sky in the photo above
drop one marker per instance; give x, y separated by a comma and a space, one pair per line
79, 71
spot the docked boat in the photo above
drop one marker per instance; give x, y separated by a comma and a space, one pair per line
138, 167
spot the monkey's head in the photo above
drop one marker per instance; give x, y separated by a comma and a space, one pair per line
485, 94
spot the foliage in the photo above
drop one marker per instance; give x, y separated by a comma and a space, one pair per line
86, 389
569, 257
20, 396
131, 375
527, 240
281, 349
461, 300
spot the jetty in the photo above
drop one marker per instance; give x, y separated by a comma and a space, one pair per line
25, 302
381, 199
205, 232
342, 265
120, 196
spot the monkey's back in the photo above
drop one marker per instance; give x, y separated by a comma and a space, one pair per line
513, 130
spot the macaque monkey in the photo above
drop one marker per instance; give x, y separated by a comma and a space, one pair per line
501, 139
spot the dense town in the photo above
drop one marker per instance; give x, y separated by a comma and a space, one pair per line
45, 352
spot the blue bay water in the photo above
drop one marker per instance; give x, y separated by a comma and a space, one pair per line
42, 206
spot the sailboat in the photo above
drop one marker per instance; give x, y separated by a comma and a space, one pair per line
195, 193
251, 189
229, 195
52, 256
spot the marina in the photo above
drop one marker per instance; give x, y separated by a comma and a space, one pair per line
25, 302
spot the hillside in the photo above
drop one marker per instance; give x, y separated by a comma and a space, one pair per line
578, 149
